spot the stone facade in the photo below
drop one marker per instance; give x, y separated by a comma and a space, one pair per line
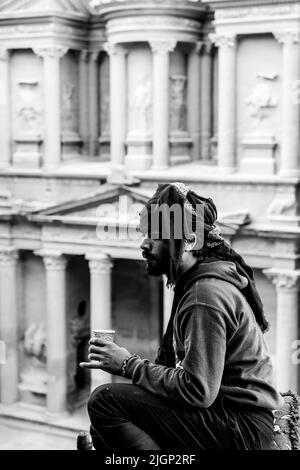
100, 101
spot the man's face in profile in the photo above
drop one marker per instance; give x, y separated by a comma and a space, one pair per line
156, 255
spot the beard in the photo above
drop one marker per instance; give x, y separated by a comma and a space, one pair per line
157, 265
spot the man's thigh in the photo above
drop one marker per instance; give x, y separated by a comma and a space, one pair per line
171, 425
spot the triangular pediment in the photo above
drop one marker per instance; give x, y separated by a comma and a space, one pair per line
110, 204
43, 6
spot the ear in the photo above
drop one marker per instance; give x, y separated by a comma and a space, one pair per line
191, 243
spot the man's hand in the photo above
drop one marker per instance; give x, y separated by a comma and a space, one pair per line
106, 356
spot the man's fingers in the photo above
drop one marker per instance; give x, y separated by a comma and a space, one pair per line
95, 350
98, 342
90, 365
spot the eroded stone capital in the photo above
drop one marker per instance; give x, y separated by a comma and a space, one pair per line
112, 48
53, 260
52, 52
84, 56
8, 256
284, 279
223, 40
162, 47
99, 263
4, 55
287, 37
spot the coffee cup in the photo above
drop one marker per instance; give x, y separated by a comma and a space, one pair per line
106, 335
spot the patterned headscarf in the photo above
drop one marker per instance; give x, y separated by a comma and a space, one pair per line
199, 218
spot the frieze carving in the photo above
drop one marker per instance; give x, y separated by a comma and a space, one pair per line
284, 279
99, 264
152, 22
178, 108
263, 97
255, 12
287, 37
52, 52
223, 40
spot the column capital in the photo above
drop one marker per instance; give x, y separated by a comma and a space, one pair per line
284, 279
4, 55
53, 260
84, 56
93, 56
223, 40
8, 256
112, 48
163, 47
287, 37
53, 52
99, 263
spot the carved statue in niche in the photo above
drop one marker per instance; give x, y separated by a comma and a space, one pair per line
141, 107
178, 108
29, 108
263, 98
80, 335
105, 113
68, 108
34, 353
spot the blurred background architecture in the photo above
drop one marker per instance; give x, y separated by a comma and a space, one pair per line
99, 102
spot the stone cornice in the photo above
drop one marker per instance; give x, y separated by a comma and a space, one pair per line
120, 8
216, 4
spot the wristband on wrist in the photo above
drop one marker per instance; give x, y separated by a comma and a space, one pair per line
124, 365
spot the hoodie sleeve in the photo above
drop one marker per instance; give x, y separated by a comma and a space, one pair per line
197, 382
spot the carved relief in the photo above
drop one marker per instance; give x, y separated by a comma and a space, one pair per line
35, 342
68, 113
140, 107
274, 10
263, 98
282, 206
178, 108
29, 108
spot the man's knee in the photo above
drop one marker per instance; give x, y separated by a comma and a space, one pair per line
98, 396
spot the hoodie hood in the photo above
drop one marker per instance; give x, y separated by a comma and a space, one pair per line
224, 270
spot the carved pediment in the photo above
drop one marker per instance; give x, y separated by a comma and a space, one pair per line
111, 204
42, 6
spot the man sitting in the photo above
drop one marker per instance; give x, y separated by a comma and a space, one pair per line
210, 387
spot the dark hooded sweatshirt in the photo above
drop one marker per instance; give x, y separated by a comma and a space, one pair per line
220, 349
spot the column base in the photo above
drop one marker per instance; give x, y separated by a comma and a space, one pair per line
286, 173
227, 170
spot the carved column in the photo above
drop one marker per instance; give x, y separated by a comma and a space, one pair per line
227, 101
193, 98
93, 103
206, 100
9, 374
55, 265
287, 288
161, 78
100, 270
84, 98
52, 125
290, 103
5, 117
118, 94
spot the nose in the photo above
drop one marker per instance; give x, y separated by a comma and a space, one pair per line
146, 244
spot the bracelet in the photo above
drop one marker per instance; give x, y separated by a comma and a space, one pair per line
124, 365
